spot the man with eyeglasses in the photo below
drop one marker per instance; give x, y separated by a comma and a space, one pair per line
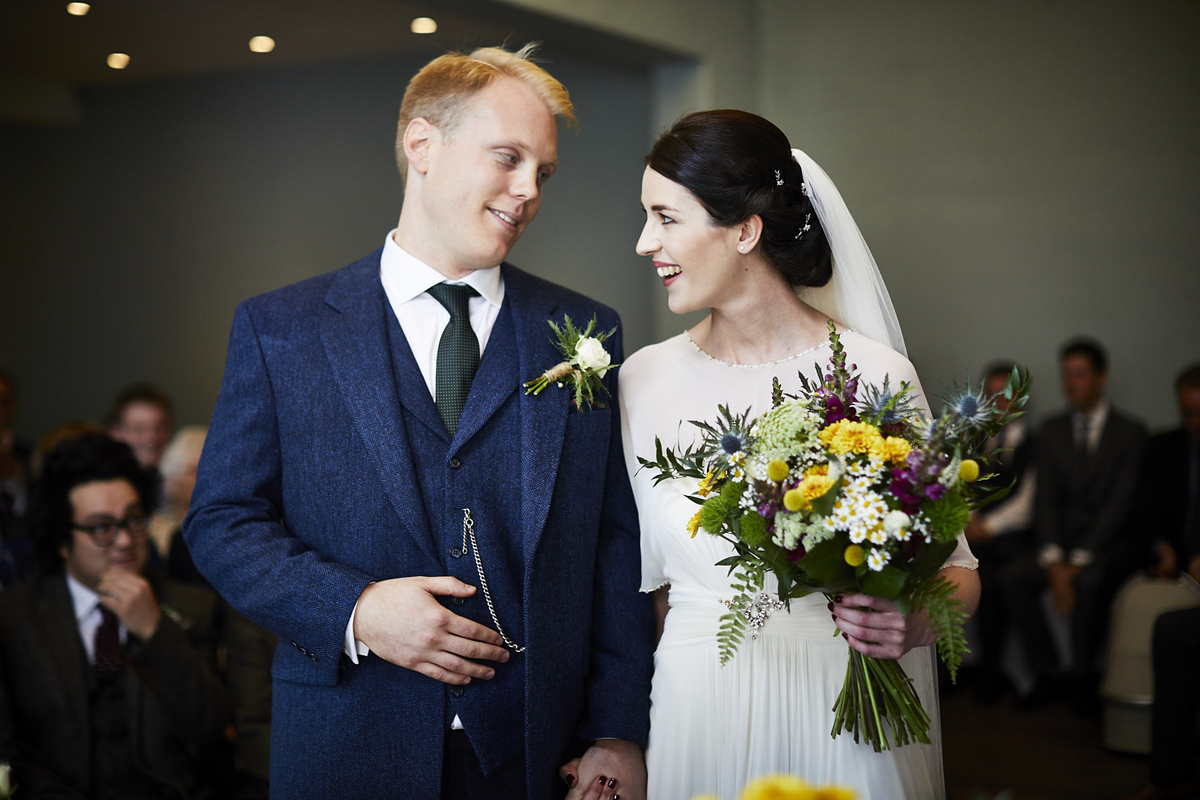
107, 673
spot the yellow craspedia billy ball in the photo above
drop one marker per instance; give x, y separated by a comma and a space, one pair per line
793, 499
969, 470
854, 555
777, 470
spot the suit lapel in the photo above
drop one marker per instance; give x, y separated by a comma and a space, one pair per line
354, 334
58, 624
543, 416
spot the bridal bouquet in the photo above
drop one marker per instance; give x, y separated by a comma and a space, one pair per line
845, 488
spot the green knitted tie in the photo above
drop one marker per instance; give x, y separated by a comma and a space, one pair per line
458, 353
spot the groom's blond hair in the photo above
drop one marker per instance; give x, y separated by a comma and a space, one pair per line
440, 91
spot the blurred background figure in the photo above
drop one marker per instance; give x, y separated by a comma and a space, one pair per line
1169, 498
1087, 476
16, 551
178, 468
141, 416
1000, 532
108, 681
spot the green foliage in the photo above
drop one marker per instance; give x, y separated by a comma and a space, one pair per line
948, 515
747, 582
946, 617
887, 582
668, 464
752, 529
713, 514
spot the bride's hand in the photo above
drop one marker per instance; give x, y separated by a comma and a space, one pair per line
876, 628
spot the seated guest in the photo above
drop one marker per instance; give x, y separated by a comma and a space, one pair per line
178, 468
1169, 498
141, 417
1087, 468
107, 680
14, 453
1000, 532
1173, 742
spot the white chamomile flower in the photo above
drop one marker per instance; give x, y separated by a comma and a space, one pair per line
877, 535
877, 560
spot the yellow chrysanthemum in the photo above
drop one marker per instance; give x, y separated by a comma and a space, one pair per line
706, 485
776, 787
777, 470
897, 449
854, 555
818, 469
809, 489
693, 525
845, 437
968, 470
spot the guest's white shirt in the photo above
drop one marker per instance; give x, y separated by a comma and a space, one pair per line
406, 280
88, 616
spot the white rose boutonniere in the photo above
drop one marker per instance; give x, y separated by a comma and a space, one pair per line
586, 363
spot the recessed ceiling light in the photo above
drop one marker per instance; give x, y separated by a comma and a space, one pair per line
262, 44
424, 25
118, 60
78, 9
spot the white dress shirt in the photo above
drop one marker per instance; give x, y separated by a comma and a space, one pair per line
406, 280
88, 616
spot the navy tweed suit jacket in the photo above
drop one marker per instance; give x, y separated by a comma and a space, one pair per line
307, 493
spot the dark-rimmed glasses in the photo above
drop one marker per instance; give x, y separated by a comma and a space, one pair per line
105, 531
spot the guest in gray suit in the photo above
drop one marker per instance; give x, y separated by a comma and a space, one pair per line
1087, 466
107, 682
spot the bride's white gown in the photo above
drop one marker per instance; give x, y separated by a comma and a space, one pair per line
768, 710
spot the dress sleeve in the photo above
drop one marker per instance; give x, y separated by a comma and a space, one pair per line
962, 556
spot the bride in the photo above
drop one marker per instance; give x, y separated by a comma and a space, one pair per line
739, 223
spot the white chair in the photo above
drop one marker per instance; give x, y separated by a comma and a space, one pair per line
1128, 687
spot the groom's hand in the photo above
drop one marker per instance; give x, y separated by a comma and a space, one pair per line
402, 622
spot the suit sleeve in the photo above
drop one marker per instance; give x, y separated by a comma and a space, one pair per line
237, 526
1049, 486
618, 690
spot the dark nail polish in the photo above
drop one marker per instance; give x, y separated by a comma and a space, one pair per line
603, 779
570, 780
829, 606
837, 598
612, 783
616, 797
844, 636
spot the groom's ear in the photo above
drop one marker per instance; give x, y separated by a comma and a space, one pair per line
418, 137
749, 232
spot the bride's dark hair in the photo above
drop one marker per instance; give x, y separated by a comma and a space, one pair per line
733, 162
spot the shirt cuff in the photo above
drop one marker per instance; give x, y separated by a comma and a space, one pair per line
1081, 558
351, 646
1050, 554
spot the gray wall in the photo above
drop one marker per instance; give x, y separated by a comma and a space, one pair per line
127, 240
1024, 170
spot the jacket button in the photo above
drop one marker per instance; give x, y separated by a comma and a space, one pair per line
458, 601
455, 463
456, 552
457, 691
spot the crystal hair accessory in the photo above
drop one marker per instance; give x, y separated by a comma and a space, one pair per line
805, 228
778, 178
804, 188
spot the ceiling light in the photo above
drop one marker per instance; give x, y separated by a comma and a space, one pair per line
424, 25
78, 9
262, 44
118, 60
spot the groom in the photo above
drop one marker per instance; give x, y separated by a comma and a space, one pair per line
451, 565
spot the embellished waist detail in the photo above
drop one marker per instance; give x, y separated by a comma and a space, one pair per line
698, 611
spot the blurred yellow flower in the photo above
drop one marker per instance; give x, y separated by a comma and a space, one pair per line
854, 555
693, 525
777, 470
896, 449
706, 485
